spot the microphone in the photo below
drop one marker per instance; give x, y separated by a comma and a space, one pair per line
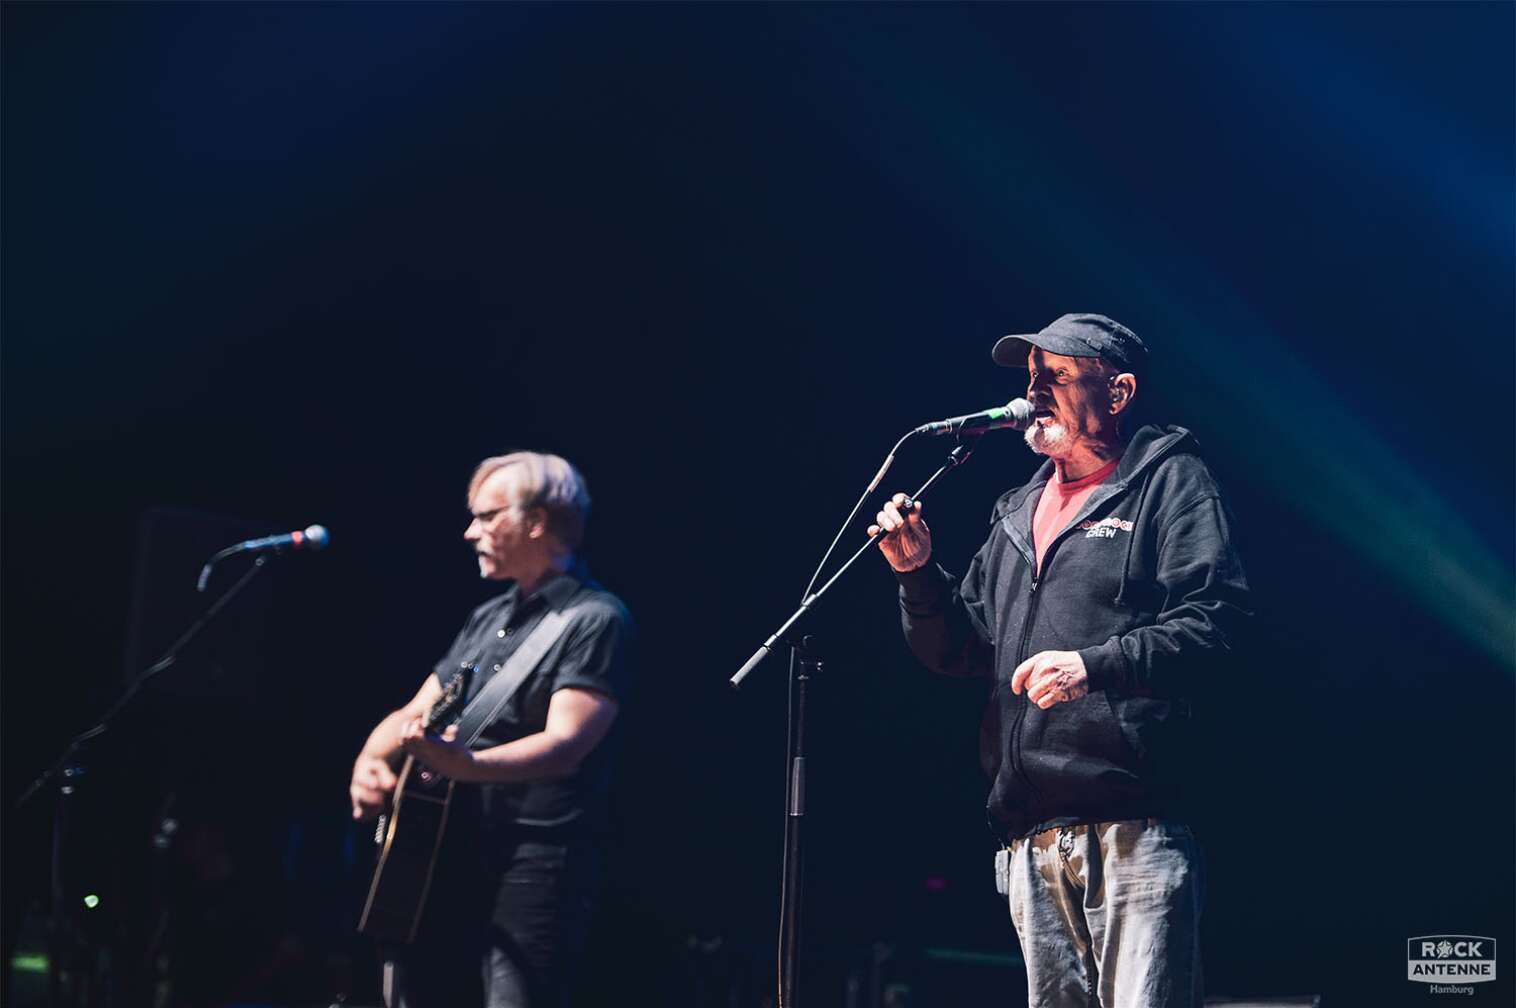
313, 538
1016, 414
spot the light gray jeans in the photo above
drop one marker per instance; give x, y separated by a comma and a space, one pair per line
1109, 915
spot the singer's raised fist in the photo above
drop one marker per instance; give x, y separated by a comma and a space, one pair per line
907, 542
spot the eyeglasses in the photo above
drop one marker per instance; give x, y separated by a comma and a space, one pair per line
485, 517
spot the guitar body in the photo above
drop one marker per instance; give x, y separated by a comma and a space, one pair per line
410, 837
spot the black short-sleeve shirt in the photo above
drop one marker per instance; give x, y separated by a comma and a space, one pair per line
592, 653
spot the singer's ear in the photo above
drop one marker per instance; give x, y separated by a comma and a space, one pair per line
1123, 391
536, 523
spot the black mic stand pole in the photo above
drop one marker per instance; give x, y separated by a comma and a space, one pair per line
805, 664
69, 769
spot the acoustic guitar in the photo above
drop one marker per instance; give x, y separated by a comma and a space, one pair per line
410, 834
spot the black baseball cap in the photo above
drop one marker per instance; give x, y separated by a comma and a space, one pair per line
1078, 335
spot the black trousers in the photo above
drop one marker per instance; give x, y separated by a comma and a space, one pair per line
505, 923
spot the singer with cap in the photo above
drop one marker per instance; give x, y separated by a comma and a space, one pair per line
508, 907
1106, 595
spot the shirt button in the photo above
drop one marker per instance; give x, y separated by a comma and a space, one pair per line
499, 633
497, 666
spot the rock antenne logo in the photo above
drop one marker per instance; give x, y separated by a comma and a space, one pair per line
1437, 959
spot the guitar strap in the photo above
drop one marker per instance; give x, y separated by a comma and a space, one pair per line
491, 700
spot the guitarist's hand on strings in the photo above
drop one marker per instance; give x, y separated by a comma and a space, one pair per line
441, 753
373, 782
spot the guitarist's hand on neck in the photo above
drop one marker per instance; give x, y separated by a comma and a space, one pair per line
441, 753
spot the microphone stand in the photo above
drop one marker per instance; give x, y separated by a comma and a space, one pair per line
69, 769
805, 665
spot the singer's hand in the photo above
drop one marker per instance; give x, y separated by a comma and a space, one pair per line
907, 542
1051, 677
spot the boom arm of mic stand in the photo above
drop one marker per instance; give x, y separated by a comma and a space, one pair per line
956, 458
168, 659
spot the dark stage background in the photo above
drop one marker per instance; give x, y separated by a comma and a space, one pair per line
294, 263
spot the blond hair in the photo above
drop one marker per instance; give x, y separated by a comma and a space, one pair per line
544, 481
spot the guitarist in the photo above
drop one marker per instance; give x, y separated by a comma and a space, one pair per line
514, 887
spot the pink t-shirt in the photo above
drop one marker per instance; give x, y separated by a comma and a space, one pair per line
1059, 503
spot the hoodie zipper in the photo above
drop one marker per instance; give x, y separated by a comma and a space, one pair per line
1017, 763
1021, 650
1026, 634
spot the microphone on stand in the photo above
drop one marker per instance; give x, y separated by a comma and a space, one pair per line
314, 537
1016, 414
